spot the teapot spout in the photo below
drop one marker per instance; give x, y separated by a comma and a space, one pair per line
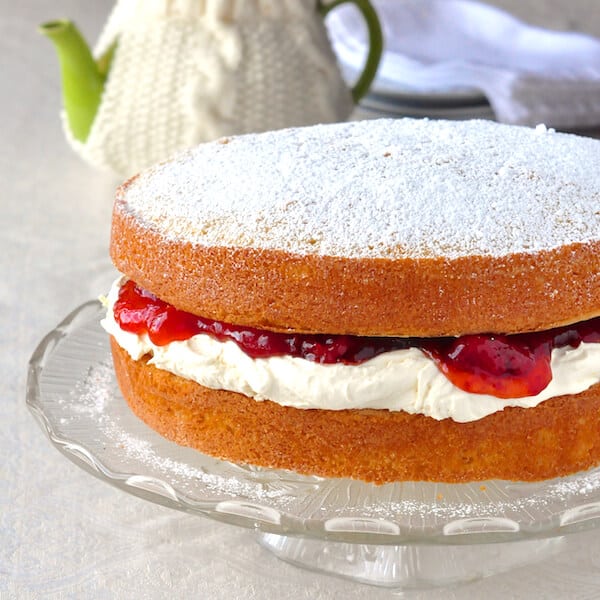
82, 79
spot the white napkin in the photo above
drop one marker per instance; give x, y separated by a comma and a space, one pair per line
464, 48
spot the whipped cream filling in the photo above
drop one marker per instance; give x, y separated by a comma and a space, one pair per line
405, 380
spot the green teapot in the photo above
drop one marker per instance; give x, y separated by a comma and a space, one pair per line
168, 74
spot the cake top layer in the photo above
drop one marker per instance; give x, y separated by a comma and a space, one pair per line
384, 188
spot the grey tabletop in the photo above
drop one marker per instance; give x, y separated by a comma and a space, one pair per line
64, 533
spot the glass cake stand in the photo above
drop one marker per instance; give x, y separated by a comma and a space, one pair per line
401, 535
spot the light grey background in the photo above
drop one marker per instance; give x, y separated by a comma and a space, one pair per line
63, 533
563, 15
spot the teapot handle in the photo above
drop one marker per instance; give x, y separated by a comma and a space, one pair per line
375, 43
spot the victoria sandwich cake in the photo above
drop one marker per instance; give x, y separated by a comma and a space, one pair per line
384, 300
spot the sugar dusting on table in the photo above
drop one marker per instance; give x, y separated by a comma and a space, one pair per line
384, 188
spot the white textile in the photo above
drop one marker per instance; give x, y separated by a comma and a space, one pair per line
529, 75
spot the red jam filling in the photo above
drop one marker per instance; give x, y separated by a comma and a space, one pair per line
505, 366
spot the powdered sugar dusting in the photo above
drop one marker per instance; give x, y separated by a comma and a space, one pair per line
413, 188
97, 397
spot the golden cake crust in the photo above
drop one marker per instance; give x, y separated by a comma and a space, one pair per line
280, 291
402, 227
558, 437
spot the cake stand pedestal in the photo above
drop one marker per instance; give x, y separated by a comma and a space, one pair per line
409, 566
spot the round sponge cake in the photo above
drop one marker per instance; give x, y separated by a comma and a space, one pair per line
409, 228
558, 437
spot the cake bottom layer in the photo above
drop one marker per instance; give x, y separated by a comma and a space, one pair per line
558, 437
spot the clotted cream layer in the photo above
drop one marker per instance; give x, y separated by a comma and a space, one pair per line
399, 380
